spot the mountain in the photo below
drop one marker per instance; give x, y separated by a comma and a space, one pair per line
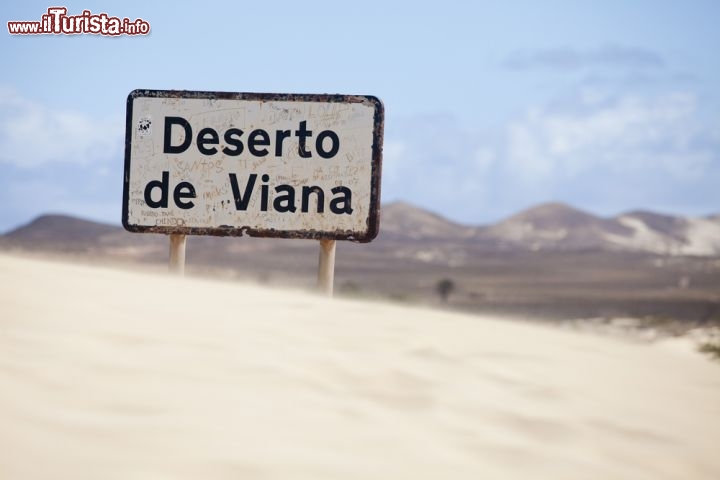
555, 226
668, 235
403, 221
63, 231
550, 261
57, 233
547, 227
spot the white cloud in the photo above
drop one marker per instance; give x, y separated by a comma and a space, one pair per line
33, 135
630, 133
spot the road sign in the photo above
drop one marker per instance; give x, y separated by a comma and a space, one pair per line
264, 165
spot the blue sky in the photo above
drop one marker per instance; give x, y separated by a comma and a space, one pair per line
491, 107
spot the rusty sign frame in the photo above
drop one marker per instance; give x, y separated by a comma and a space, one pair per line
373, 220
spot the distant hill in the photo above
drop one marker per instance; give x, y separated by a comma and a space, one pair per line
403, 221
556, 226
53, 227
551, 260
62, 232
546, 227
560, 227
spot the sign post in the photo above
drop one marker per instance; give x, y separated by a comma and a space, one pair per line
255, 164
177, 254
326, 267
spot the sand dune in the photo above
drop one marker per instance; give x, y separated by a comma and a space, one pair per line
116, 375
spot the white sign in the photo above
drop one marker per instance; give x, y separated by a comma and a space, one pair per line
278, 165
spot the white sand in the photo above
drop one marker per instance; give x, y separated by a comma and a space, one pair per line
115, 375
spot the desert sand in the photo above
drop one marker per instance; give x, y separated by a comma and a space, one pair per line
109, 374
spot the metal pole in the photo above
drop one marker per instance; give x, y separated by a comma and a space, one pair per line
326, 267
177, 254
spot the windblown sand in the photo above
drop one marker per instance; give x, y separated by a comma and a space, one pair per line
117, 375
